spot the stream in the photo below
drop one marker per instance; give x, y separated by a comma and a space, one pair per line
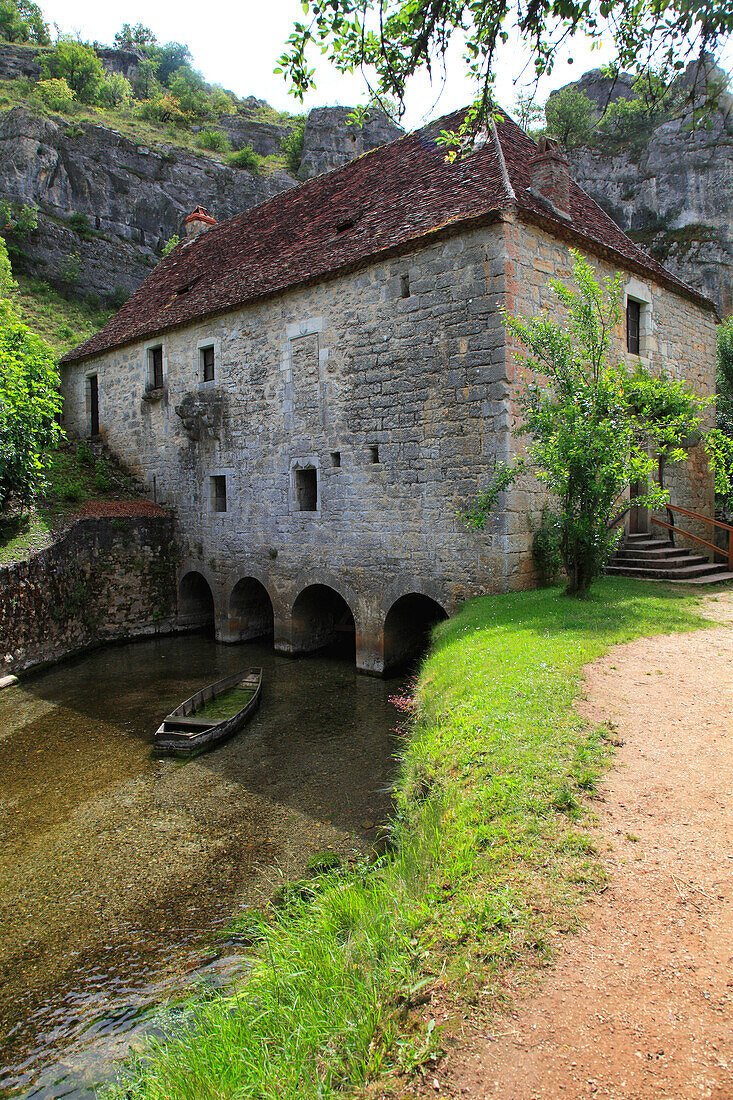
118, 867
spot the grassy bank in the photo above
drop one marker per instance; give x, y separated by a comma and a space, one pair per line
487, 864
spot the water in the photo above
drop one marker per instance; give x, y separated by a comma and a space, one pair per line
116, 867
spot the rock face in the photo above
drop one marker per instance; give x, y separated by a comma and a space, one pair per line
134, 197
674, 193
331, 142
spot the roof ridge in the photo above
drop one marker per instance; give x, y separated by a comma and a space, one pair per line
502, 162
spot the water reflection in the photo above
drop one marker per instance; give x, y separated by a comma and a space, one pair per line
115, 865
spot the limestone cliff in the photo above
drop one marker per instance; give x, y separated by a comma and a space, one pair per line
672, 191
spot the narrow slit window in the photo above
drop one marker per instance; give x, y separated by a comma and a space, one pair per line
207, 364
633, 326
335, 458
405, 285
219, 493
374, 454
306, 489
93, 405
156, 368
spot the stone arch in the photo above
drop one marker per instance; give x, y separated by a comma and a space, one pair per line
195, 602
322, 617
250, 611
407, 628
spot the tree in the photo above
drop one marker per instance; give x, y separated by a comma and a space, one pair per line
78, 65
568, 113
30, 402
114, 91
592, 426
191, 91
138, 37
22, 21
390, 40
527, 111
169, 59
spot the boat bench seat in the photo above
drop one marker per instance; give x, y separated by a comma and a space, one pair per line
190, 723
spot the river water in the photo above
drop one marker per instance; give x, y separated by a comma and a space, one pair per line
117, 867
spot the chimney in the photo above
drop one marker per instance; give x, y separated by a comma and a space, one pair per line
197, 222
549, 176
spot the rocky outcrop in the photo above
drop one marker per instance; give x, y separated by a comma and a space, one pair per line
133, 198
672, 191
25, 60
330, 142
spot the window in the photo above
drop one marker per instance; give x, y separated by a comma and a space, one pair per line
633, 326
218, 493
93, 404
207, 364
405, 285
155, 365
374, 454
306, 489
335, 458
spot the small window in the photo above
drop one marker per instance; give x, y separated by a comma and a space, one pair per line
405, 285
374, 454
155, 360
335, 458
633, 326
207, 364
93, 405
306, 489
219, 493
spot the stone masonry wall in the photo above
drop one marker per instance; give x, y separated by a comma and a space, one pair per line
105, 579
676, 336
338, 368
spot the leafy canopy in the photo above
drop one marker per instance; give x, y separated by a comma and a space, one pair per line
78, 65
30, 402
22, 21
592, 425
390, 40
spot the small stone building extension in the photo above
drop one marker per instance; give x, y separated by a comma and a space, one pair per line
319, 386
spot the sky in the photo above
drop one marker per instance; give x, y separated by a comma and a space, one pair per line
237, 45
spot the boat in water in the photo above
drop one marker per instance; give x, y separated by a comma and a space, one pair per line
212, 715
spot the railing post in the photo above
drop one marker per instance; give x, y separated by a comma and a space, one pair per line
730, 551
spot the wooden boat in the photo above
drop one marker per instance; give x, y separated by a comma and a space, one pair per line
188, 729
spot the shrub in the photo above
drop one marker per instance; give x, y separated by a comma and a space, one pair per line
78, 65
163, 108
56, 94
213, 140
245, 158
18, 220
115, 91
191, 91
170, 244
81, 225
293, 147
103, 476
118, 297
220, 102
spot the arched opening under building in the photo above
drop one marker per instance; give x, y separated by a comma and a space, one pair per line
322, 620
195, 603
250, 611
407, 629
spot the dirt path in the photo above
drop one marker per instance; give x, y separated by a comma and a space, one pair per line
639, 1005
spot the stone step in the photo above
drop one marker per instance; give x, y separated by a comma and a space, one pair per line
677, 562
667, 573
716, 578
647, 544
657, 555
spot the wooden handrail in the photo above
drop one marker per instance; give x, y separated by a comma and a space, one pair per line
696, 538
696, 515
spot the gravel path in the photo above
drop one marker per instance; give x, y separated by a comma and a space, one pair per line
639, 1005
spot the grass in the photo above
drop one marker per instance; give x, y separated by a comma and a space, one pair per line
226, 704
62, 322
73, 475
488, 859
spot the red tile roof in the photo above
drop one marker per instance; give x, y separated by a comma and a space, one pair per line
382, 203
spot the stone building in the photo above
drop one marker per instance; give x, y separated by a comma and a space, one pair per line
320, 385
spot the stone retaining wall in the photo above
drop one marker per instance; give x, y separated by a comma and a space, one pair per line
104, 580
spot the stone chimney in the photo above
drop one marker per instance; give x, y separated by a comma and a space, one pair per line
197, 222
549, 176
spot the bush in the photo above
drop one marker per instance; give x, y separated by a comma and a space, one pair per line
293, 147
103, 476
170, 244
163, 108
56, 94
81, 225
78, 65
118, 297
115, 91
18, 220
191, 91
213, 140
245, 158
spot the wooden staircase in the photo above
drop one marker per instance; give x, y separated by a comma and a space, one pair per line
657, 559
